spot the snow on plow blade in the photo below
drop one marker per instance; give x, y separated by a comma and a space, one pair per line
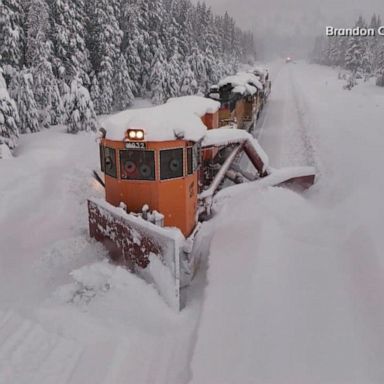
150, 251
296, 178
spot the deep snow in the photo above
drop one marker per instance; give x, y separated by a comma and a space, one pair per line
295, 284
294, 287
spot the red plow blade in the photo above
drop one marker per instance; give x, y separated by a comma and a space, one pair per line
150, 251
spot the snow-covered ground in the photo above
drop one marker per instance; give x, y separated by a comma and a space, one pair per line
294, 290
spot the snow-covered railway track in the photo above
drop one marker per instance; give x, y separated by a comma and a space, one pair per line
301, 108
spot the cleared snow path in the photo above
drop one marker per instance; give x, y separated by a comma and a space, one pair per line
295, 288
282, 130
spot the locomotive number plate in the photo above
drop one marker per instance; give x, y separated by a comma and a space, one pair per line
135, 145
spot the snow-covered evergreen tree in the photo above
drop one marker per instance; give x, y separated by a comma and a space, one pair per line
38, 45
122, 85
12, 38
38, 57
188, 83
130, 42
173, 72
374, 43
47, 95
95, 89
21, 90
380, 65
197, 63
80, 111
158, 80
9, 117
183, 14
69, 20
105, 38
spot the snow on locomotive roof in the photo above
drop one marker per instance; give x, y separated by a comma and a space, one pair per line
261, 70
195, 104
244, 83
178, 118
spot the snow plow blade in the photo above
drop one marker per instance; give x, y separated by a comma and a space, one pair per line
150, 251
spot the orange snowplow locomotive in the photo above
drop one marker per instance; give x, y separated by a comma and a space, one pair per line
162, 167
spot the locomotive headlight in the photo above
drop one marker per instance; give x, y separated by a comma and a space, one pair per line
132, 135
135, 134
139, 135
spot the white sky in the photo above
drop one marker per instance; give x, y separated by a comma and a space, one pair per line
253, 12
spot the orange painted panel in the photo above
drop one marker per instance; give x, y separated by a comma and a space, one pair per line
211, 120
176, 199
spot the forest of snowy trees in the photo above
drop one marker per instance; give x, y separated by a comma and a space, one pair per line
363, 56
64, 61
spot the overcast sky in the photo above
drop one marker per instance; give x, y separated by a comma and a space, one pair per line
295, 19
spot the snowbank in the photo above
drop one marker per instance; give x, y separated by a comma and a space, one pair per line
179, 118
295, 286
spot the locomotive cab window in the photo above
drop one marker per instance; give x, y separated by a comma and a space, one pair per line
108, 158
171, 163
137, 164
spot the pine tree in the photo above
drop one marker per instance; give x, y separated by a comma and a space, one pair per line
173, 72
12, 38
196, 61
21, 90
158, 80
47, 95
38, 45
188, 84
122, 85
69, 20
130, 43
183, 14
95, 89
81, 114
374, 43
38, 57
104, 42
356, 55
380, 65
9, 117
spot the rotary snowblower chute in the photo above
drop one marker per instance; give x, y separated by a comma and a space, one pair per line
162, 166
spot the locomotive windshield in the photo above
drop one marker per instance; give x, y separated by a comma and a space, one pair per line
108, 161
171, 163
137, 164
